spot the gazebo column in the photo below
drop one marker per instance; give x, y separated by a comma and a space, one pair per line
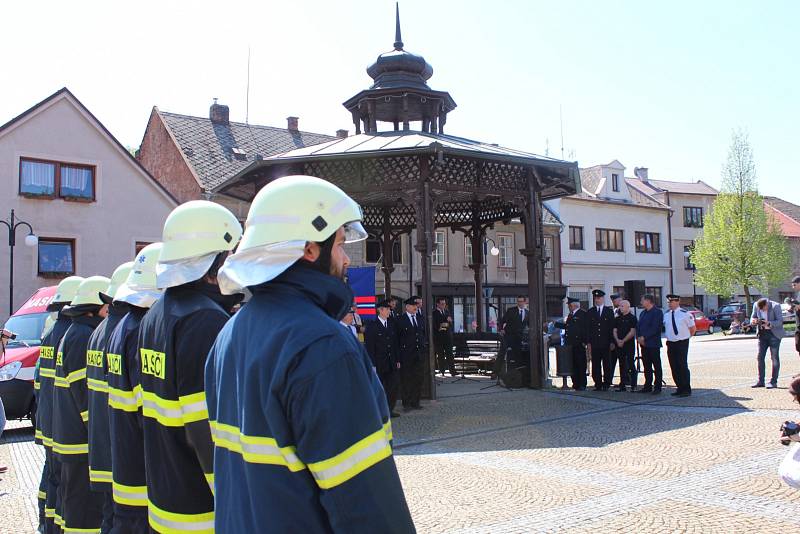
424, 247
387, 241
533, 254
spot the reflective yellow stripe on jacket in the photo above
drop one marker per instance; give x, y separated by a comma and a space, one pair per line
94, 384
188, 409
66, 529
130, 495
172, 523
74, 376
255, 449
357, 458
125, 400
99, 476
45, 372
64, 448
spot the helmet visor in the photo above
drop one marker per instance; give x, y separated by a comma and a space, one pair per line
354, 232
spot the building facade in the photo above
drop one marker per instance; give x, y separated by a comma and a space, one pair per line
91, 204
788, 216
613, 232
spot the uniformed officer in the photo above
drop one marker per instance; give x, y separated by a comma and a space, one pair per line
137, 293
81, 508
51, 471
381, 344
411, 346
443, 336
576, 334
99, 441
300, 420
679, 327
174, 339
601, 324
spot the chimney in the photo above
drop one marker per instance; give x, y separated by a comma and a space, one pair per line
291, 123
341, 134
219, 113
641, 173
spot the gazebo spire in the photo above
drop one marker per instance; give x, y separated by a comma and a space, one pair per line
398, 40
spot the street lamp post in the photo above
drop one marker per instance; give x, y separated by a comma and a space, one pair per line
494, 251
688, 254
30, 240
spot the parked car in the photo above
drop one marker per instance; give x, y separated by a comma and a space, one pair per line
724, 316
18, 362
702, 323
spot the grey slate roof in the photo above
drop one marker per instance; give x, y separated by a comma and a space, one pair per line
209, 147
590, 181
785, 207
689, 188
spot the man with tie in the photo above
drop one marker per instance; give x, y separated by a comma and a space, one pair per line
576, 333
679, 327
381, 344
513, 325
650, 325
601, 342
443, 336
410, 337
348, 322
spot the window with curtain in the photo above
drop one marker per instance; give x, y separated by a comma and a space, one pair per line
648, 242
609, 240
548, 252
56, 257
505, 242
37, 178
77, 182
692, 217
576, 237
439, 256
467, 251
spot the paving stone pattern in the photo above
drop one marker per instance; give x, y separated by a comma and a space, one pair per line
494, 461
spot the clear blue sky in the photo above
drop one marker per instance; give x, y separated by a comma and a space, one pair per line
656, 85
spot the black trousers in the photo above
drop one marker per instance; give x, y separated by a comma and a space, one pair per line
651, 359
628, 375
131, 523
678, 355
389, 381
52, 505
42, 500
579, 366
82, 508
602, 366
443, 345
411, 376
108, 512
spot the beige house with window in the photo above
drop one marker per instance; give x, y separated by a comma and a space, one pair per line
89, 202
614, 232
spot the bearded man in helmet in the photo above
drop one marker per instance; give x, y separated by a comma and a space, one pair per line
174, 339
299, 417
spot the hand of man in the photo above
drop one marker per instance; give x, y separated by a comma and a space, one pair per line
398, 365
641, 341
620, 343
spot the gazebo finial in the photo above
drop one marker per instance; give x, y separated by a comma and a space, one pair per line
398, 41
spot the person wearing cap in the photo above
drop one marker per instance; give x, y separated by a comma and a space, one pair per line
443, 336
616, 302
381, 344
576, 335
137, 294
679, 327
601, 325
43, 434
300, 421
411, 348
97, 404
81, 508
174, 339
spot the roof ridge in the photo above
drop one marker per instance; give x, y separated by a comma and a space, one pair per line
244, 124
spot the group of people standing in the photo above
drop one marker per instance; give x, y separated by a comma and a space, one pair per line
163, 410
606, 335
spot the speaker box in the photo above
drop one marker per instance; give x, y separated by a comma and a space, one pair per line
634, 291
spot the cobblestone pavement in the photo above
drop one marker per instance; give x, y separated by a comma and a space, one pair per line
491, 460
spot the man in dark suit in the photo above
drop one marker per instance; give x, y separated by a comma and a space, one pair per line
601, 326
410, 337
443, 336
576, 333
514, 322
380, 340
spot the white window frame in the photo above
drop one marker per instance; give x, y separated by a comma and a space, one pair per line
439, 252
505, 260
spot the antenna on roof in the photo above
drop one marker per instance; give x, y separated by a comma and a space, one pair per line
546, 146
561, 120
247, 98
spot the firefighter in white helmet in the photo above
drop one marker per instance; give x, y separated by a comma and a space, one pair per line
299, 418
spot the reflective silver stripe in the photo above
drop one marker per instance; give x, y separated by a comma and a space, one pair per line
166, 412
189, 236
273, 219
199, 406
254, 448
129, 495
179, 525
351, 462
119, 399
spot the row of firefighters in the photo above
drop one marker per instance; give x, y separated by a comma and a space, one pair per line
159, 411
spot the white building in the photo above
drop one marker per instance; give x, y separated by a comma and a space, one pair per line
613, 232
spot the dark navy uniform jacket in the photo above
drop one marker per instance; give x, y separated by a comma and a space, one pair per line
381, 344
299, 418
601, 327
576, 327
47, 373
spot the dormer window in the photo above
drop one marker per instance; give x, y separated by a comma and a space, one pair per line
615, 182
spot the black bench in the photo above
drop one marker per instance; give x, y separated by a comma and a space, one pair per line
476, 352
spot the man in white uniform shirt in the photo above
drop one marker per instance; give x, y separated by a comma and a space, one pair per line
679, 327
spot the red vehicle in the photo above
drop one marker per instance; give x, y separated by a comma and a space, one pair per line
18, 362
702, 323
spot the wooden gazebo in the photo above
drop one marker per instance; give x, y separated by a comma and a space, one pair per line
422, 180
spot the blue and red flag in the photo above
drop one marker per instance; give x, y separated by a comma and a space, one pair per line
362, 283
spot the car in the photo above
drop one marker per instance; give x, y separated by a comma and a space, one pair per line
18, 361
702, 323
724, 316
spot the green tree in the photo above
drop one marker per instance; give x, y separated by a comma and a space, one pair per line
741, 244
